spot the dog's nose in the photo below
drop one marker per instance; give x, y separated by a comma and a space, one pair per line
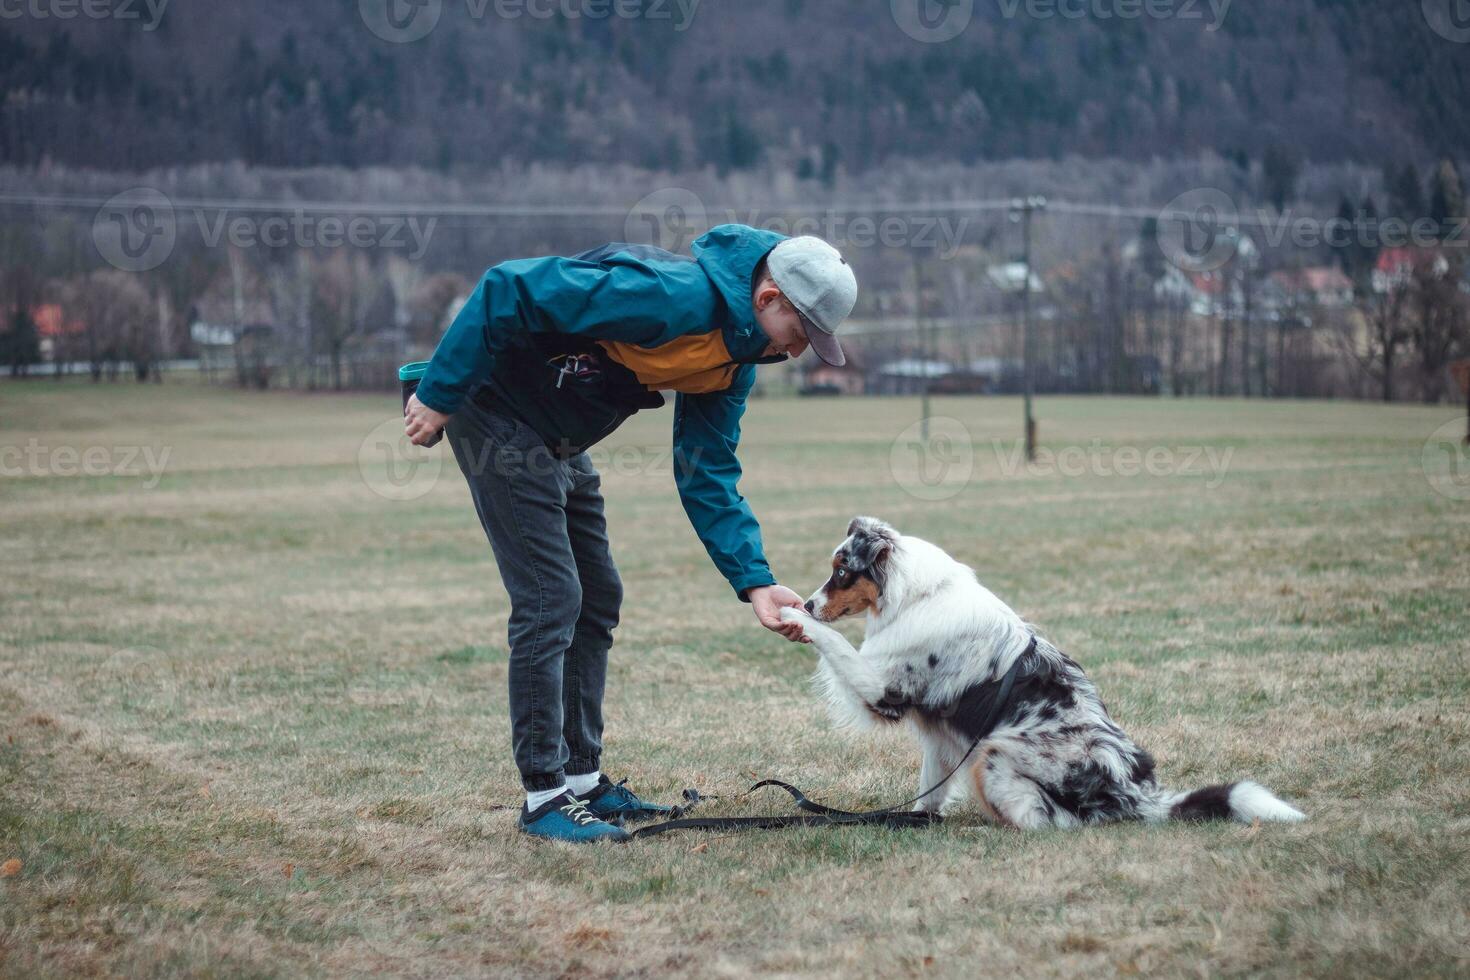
808, 606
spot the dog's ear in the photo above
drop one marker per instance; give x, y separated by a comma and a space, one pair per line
872, 527
872, 545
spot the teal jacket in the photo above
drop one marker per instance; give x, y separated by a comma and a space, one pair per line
574, 346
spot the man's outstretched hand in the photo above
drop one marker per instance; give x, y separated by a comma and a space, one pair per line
768, 601
420, 421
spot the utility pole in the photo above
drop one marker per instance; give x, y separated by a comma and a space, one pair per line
1021, 210
923, 337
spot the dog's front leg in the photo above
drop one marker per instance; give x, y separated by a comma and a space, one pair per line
936, 765
845, 661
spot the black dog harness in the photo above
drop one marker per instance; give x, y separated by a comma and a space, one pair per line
977, 712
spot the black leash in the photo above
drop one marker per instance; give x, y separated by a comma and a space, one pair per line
895, 817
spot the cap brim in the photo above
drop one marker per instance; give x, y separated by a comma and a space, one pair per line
826, 345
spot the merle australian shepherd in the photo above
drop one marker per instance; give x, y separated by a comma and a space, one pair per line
935, 639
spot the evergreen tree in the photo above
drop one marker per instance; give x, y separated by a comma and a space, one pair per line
830, 156
20, 345
1342, 243
1406, 194
1447, 196
1367, 246
1280, 168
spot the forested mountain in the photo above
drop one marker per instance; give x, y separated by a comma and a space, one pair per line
815, 85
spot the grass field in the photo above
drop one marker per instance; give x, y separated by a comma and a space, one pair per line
254, 716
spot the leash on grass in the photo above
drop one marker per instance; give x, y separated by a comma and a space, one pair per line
895, 817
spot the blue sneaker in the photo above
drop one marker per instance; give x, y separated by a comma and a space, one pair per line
567, 818
615, 803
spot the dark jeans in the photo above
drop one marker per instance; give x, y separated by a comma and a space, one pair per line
545, 523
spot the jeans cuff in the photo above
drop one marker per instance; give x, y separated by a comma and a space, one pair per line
540, 782
583, 767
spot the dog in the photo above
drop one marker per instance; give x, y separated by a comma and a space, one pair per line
938, 645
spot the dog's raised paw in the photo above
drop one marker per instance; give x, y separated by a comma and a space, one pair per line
793, 614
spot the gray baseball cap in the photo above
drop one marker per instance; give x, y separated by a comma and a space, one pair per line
819, 283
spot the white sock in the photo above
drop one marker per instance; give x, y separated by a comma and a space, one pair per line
540, 797
583, 784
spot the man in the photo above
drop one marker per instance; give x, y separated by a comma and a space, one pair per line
548, 357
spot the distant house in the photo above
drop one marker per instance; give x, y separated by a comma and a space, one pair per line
1395, 266
1324, 286
821, 378
1009, 276
981, 376
246, 351
1202, 293
52, 328
908, 376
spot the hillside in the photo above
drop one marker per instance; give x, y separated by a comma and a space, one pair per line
816, 86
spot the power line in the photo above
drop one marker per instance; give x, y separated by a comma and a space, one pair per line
469, 210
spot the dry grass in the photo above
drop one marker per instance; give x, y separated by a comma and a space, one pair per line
252, 719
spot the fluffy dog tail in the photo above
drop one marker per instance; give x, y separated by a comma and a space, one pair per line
1244, 801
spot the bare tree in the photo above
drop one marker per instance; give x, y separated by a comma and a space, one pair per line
431, 303
345, 287
117, 317
1386, 313
1436, 321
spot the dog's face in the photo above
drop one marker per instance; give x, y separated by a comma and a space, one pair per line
859, 570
